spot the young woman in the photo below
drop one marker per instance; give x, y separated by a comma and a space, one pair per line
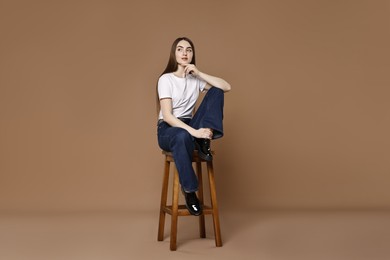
178, 130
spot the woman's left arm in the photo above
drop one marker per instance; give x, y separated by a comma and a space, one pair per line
212, 81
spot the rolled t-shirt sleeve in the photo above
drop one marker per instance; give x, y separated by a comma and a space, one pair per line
164, 88
201, 84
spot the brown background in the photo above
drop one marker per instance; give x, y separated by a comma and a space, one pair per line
306, 123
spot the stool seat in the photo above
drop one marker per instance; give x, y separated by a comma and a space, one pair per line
176, 210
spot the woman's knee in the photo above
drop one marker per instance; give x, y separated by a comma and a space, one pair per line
215, 91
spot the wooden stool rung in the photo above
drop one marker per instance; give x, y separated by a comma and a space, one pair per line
183, 211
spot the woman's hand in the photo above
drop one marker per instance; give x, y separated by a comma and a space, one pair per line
205, 133
191, 69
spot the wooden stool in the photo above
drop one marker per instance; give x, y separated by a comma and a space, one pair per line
176, 210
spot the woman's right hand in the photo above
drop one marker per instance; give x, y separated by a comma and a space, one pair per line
205, 133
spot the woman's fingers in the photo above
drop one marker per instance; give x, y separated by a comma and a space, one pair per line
189, 69
207, 133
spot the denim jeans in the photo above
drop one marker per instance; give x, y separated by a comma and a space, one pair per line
179, 141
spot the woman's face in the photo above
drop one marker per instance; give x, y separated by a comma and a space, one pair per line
184, 52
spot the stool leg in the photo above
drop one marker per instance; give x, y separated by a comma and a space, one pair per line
175, 206
213, 194
202, 228
163, 204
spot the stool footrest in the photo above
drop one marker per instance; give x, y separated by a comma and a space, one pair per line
183, 211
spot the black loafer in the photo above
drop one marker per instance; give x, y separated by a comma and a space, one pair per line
203, 147
192, 203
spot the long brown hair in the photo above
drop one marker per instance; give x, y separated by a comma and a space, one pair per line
173, 65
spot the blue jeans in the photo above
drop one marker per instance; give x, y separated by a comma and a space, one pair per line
178, 141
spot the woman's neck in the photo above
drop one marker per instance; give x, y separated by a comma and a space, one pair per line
179, 72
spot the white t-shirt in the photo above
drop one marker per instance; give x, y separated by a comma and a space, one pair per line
183, 91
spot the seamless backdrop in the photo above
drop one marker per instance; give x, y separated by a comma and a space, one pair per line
306, 122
